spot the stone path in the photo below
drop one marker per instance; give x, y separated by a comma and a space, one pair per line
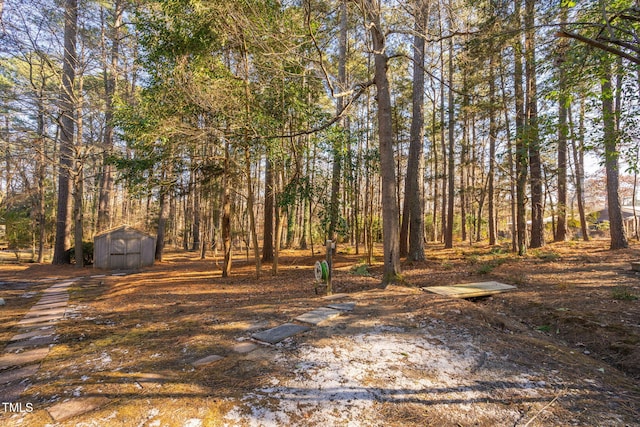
21, 358
286, 330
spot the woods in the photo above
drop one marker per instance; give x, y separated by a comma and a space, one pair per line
253, 126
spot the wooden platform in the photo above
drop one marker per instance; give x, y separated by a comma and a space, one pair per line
470, 290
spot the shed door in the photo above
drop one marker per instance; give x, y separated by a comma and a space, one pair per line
118, 254
125, 254
133, 253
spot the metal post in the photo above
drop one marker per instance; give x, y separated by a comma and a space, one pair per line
330, 246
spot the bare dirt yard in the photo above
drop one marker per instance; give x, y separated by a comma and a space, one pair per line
562, 349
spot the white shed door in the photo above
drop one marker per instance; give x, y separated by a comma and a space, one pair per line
125, 254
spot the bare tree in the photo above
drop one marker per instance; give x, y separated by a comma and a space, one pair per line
413, 209
390, 226
61, 253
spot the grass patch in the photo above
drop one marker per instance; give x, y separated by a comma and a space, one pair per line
447, 265
360, 270
485, 268
622, 293
517, 279
544, 328
547, 255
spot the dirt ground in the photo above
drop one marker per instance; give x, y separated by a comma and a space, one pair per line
561, 349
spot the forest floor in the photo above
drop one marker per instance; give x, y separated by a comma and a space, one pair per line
561, 349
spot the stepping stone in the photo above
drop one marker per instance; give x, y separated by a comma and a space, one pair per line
207, 360
37, 333
97, 276
38, 311
254, 326
50, 305
23, 358
147, 377
2, 301
335, 296
19, 374
318, 316
277, 334
347, 306
12, 392
35, 342
71, 408
53, 299
55, 294
244, 347
40, 319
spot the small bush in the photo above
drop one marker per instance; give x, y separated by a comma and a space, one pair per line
547, 256
486, 268
360, 270
87, 253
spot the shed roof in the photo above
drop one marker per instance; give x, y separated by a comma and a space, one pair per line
124, 228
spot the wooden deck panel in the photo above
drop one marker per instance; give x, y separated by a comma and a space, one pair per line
470, 290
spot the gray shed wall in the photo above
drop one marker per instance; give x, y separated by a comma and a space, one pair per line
123, 249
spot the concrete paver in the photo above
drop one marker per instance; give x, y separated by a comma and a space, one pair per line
277, 334
51, 305
335, 296
19, 359
318, 316
206, 360
39, 312
244, 347
35, 333
18, 374
72, 408
35, 342
12, 392
40, 319
347, 306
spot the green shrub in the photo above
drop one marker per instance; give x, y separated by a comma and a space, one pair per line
360, 270
87, 253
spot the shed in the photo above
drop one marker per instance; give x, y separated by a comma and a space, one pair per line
123, 248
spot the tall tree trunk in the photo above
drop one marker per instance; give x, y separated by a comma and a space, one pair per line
563, 132
511, 161
105, 217
413, 209
434, 156
616, 226
451, 176
578, 160
78, 193
522, 160
339, 143
492, 152
267, 244
390, 226
226, 214
531, 133
197, 213
41, 168
443, 149
62, 244
163, 215
252, 216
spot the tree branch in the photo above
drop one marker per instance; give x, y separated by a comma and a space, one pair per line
600, 45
